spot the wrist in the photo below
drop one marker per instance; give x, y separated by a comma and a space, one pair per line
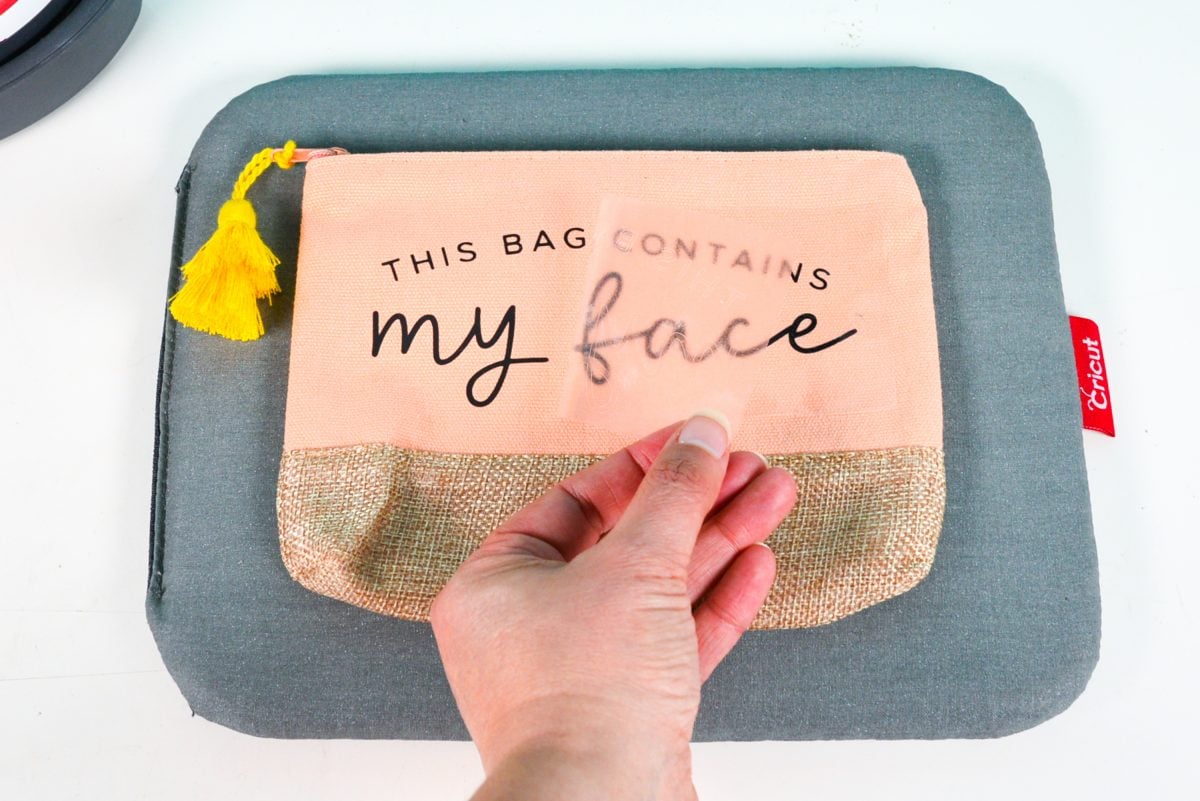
570, 753
554, 772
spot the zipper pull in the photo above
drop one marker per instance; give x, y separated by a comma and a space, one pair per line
234, 268
303, 155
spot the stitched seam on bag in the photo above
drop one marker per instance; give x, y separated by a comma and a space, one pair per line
166, 366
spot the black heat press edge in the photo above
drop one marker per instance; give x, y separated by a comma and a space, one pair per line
52, 69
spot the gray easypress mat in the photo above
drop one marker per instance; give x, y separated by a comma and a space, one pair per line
1002, 635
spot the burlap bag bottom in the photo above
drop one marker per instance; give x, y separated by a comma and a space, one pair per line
384, 527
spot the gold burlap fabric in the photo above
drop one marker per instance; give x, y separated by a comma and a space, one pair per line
385, 527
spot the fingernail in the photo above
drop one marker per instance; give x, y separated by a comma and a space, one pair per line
707, 429
763, 458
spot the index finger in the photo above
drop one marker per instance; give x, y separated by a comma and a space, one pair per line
573, 514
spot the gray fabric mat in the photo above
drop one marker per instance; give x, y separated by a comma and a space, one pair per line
1002, 635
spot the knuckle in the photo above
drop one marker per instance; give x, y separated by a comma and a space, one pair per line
660, 573
437, 611
732, 536
680, 473
445, 607
588, 510
725, 615
642, 568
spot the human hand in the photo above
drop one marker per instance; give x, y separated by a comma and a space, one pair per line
577, 636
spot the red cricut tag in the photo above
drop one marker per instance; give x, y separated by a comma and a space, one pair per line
1094, 395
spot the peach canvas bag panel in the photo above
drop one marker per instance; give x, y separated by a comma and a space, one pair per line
471, 327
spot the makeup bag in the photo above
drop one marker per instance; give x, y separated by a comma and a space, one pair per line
856, 266
471, 327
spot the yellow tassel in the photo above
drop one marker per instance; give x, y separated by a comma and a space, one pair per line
234, 268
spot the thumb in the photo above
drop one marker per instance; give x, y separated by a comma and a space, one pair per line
677, 492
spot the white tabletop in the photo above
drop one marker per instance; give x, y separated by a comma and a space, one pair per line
86, 207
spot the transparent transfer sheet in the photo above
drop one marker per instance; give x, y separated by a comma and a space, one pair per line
687, 309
